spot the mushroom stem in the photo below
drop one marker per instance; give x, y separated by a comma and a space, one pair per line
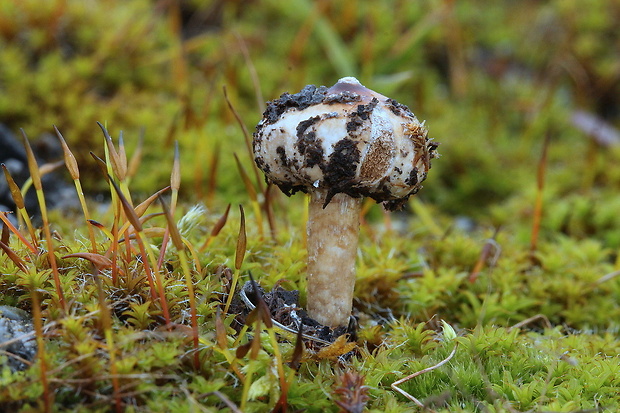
333, 233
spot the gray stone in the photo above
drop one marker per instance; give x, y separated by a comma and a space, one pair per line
59, 193
18, 347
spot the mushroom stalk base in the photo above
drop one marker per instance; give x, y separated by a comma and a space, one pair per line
333, 234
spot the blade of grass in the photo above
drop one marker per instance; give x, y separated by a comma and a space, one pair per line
102, 228
222, 344
253, 346
74, 171
220, 331
260, 100
251, 193
144, 205
241, 241
116, 165
106, 321
10, 226
298, 350
239, 255
119, 168
261, 305
175, 184
147, 254
178, 243
19, 263
216, 229
195, 255
18, 198
538, 206
249, 187
122, 157
246, 137
458, 68
114, 234
4, 236
490, 246
36, 180
42, 356
101, 164
232, 406
269, 210
212, 178
99, 261
115, 245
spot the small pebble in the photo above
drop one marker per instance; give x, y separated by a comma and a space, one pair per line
14, 324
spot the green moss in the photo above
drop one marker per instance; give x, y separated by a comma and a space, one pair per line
491, 85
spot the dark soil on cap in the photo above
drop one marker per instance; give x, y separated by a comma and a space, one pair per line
309, 95
360, 115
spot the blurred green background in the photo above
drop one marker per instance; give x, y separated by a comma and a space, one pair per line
494, 81
491, 79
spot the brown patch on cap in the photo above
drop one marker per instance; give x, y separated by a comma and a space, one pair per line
378, 159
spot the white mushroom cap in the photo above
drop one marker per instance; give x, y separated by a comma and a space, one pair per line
345, 139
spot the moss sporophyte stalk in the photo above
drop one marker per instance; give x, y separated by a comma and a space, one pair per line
338, 145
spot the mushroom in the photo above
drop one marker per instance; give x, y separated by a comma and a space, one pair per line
338, 145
